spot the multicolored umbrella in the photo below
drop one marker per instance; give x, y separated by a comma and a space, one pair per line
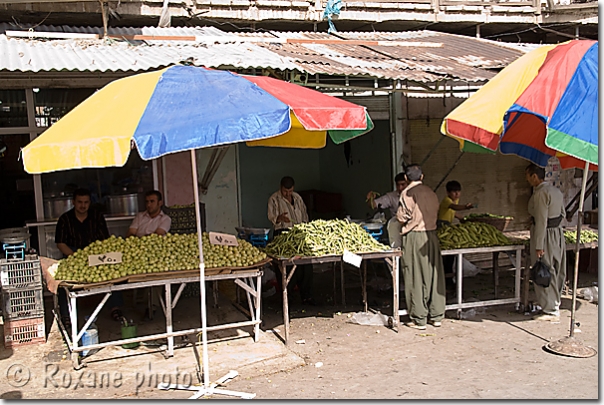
544, 104
185, 107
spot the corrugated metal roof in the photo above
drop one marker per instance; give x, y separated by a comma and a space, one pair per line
397, 55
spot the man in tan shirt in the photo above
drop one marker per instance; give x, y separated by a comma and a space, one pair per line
285, 209
421, 262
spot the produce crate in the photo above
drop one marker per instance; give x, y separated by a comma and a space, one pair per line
20, 304
499, 223
21, 274
184, 219
20, 332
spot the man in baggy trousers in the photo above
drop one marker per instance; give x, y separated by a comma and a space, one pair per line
421, 261
546, 207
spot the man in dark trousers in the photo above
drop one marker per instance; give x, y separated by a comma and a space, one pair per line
421, 263
76, 229
546, 207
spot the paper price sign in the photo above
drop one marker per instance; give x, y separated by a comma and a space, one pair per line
351, 258
105, 258
223, 239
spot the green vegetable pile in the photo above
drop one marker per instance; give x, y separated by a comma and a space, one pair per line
321, 237
469, 235
587, 236
485, 215
154, 254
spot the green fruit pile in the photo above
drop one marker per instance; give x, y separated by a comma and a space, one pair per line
321, 237
587, 236
470, 235
154, 254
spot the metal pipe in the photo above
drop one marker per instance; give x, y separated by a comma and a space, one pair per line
577, 250
202, 284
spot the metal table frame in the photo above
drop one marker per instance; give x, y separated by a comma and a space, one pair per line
288, 268
459, 277
244, 279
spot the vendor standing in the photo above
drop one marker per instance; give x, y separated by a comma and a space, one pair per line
76, 229
153, 219
546, 207
421, 261
285, 209
390, 201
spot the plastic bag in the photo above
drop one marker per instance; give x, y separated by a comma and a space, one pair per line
540, 274
369, 318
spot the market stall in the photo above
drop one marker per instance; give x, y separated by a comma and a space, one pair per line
246, 278
288, 267
184, 108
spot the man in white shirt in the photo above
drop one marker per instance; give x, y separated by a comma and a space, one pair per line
152, 220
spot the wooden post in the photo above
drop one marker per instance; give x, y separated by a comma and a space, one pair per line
496, 273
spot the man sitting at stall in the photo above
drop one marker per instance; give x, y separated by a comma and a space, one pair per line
153, 219
285, 209
390, 201
76, 229
421, 262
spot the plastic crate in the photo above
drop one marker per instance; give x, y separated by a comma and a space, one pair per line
21, 274
20, 332
20, 304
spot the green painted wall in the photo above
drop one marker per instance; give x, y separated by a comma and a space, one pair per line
325, 169
369, 169
260, 171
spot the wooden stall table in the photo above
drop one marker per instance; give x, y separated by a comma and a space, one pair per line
249, 279
288, 266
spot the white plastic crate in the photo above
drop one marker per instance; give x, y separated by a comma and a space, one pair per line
20, 304
21, 274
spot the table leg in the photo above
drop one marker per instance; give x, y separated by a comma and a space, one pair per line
395, 298
342, 283
215, 293
169, 329
496, 273
459, 282
526, 280
517, 277
364, 276
335, 289
284, 284
258, 303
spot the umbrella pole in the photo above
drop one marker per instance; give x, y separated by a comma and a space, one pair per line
207, 388
577, 249
202, 284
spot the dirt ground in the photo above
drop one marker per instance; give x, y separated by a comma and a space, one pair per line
496, 353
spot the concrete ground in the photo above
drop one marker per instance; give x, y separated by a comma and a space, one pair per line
495, 353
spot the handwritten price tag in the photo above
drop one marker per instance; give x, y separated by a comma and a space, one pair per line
223, 239
351, 258
105, 258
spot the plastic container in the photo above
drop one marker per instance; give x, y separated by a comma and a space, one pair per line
21, 274
90, 337
19, 304
21, 332
127, 333
590, 294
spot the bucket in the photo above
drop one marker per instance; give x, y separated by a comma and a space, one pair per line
127, 333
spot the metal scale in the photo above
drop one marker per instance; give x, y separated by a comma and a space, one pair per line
15, 242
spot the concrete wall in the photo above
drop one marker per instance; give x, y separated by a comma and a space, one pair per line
368, 169
221, 200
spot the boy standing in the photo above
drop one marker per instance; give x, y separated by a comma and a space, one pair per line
450, 204
446, 213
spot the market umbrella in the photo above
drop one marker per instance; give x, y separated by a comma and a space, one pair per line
185, 108
544, 104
